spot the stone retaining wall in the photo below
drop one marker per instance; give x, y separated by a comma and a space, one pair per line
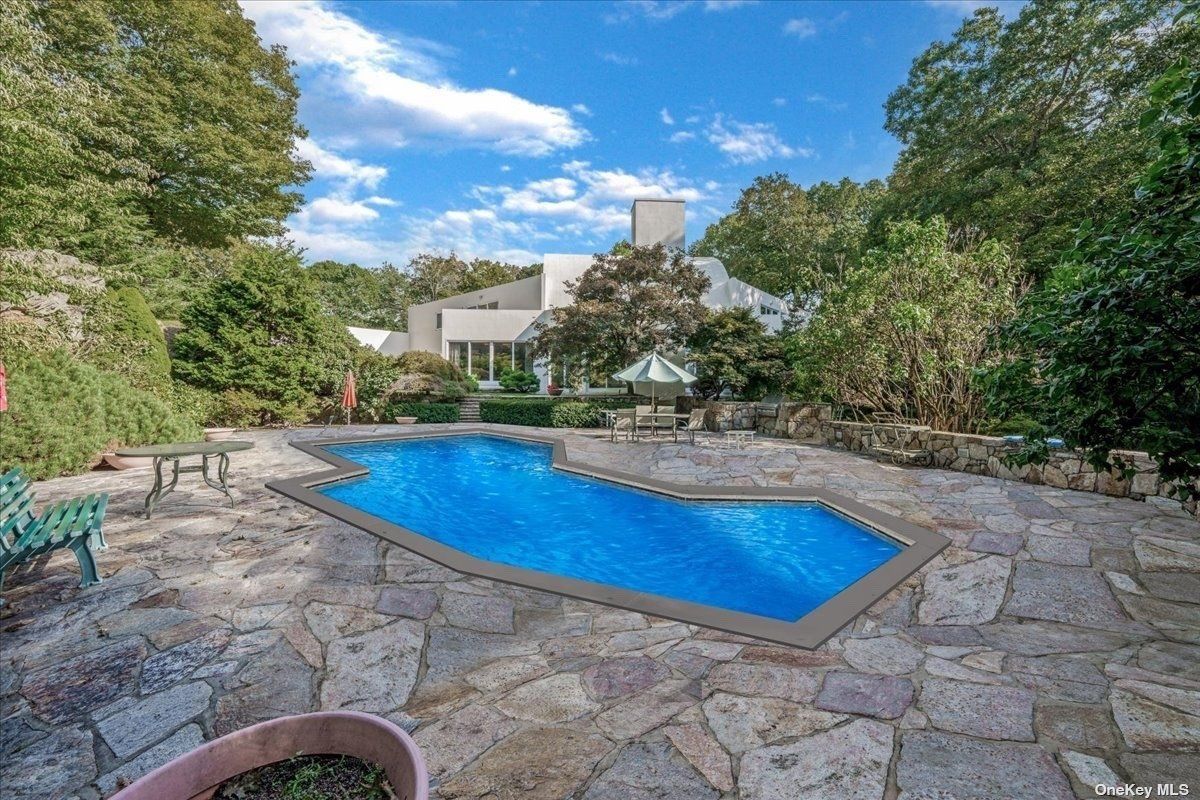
813, 423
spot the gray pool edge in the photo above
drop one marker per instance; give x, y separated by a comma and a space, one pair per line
919, 545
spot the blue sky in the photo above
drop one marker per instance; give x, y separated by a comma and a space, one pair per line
509, 130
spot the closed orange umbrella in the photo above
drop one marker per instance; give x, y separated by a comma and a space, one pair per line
3, 389
349, 397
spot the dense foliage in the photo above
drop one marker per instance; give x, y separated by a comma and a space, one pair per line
433, 276
424, 412
547, 412
368, 298
64, 413
259, 329
1020, 130
906, 330
518, 380
789, 240
1107, 354
733, 350
206, 112
625, 306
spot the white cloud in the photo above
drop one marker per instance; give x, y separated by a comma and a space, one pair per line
779, 102
666, 117
580, 108
657, 10
336, 210
969, 7
394, 89
747, 143
816, 98
512, 72
376, 200
727, 5
801, 28
347, 172
618, 58
681, 136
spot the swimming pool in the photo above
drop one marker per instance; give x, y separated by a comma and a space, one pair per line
515, 512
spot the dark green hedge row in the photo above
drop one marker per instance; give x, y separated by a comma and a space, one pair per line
424, 412
550, 412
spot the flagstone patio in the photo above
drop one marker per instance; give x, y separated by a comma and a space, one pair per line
1055, 646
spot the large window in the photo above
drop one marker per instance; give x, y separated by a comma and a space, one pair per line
487, 361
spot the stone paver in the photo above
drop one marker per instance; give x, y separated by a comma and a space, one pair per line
1057, 643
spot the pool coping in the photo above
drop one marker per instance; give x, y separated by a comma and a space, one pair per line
919, 545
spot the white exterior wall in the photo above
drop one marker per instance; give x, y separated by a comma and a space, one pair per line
424, 334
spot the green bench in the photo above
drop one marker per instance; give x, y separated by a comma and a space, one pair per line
75, 524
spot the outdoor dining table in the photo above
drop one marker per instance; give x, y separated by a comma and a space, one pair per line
173, 453
675, 418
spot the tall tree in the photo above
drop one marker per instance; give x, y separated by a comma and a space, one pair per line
733, 350
1107, 354
789, 240
259, 330
199, 101
66, 174
434, 276
372, 298
625, 307
908, 327
1016, 130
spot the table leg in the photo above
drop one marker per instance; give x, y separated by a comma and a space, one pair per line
222, 470
158, 491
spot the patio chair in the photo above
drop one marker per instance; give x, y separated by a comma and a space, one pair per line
695, 422
650, 423
75, 524
624, 424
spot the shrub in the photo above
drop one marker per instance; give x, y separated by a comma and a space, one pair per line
516, 380
424, 412
63, 414
547, 412
125, 338
428, 376
259, 329
575, 415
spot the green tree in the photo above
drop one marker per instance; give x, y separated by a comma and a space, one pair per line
1107, 354
67, 175
625, 307
371, 298
260, 330
198, 101
792, 241
434, 276
1017, 130
908, 328
733, 350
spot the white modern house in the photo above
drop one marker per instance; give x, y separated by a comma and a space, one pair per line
487, 331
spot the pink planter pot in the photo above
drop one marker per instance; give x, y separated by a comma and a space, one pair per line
128, 462
198, 774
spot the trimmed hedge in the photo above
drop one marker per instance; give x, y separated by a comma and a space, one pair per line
424, 412
551, 412
63, 414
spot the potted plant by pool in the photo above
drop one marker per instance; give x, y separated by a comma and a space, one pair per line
554, 390
296, 748
218, 434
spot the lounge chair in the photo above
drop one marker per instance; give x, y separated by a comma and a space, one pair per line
695, 422
75, 524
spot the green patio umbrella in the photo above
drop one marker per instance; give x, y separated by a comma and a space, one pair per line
654, 373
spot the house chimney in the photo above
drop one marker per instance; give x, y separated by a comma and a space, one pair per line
657, 222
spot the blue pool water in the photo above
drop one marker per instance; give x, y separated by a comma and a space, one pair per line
501, 500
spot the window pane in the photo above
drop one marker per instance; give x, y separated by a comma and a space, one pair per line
522, 358
481, 360
458, 354
502, 358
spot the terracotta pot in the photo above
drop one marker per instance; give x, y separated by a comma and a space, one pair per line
128, 462
406, 420
198, 774
218, 434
